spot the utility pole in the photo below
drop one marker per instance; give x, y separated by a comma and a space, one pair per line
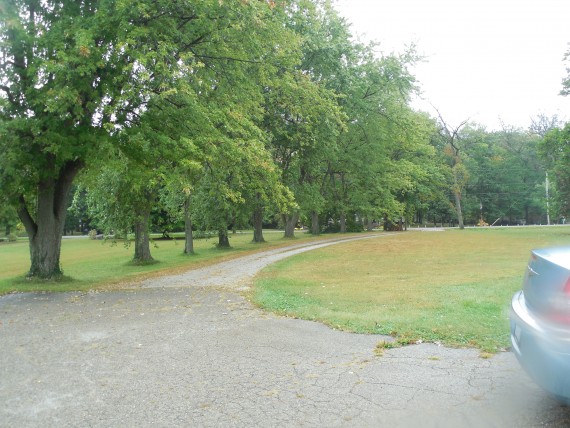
547, 202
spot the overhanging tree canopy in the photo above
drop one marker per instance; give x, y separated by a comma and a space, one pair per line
74, 75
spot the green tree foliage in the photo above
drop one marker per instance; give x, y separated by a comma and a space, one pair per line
418, 177
8, 218
453, 149
505, 177
120, 197
217, 130
303, 121
222, 113
179, 185
76, 75
555, 150
239, 176
55, 87
383, 158
501, 176
302, 115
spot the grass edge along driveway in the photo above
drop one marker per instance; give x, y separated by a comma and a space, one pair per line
452, 287
104, 265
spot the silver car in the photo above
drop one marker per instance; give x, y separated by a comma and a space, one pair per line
540, 321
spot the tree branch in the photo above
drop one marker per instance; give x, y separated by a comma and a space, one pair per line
226, 58
63, 185
185, 20
451, 133
369, 93
8, 93
27, 220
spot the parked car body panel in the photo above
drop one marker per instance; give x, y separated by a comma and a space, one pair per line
540, 321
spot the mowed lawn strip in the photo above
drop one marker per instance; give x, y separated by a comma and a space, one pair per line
93, 264
452, 287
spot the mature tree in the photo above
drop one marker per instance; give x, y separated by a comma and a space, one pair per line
519, 174
55, 87
302, 115
220, 131
378, 160
416, 170
361, 171
303, 120
179, 185
75, 74
484, 199
120, 197
503, 175
541, 124
555, 150
239, 177
453, 149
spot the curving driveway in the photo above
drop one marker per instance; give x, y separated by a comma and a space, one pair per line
190, 350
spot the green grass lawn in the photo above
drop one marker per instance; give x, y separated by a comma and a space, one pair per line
452, 287
89, 264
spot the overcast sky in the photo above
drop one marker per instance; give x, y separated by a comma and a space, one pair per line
487, 60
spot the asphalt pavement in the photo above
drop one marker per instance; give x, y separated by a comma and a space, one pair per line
203, 356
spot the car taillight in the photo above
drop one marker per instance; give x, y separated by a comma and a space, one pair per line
566, 289
561, 306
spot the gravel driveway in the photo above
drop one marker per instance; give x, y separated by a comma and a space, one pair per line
190, 350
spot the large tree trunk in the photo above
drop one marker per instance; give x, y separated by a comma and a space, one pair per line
315, 227
258, 225
223, 240
188, 237
342, 222
290, 221
45, 231
142, 238
457, 197
45, 245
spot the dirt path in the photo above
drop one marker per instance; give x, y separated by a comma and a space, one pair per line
191, 351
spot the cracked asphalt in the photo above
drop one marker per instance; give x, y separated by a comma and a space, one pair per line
191, 350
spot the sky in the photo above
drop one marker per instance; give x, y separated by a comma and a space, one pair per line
492, 62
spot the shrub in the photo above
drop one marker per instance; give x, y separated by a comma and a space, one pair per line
92, 234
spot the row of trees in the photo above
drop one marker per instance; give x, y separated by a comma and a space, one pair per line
498, 177
225, 113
